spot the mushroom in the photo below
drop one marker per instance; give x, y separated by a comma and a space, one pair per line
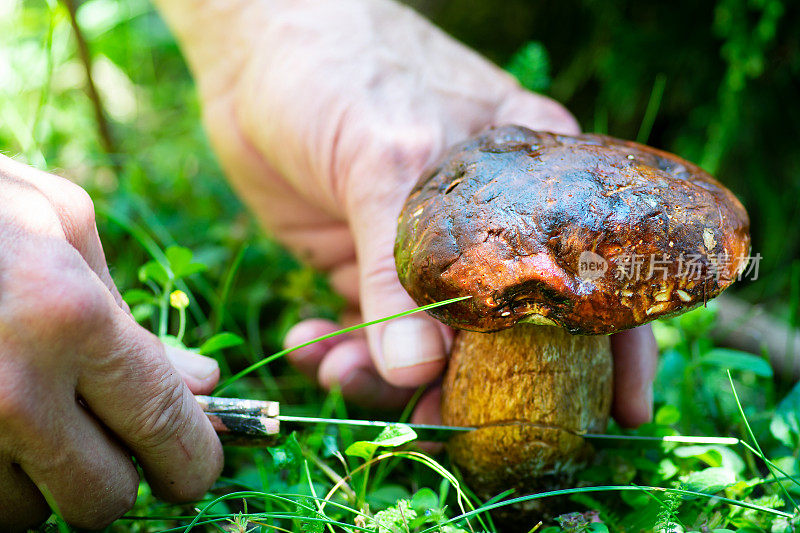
559, 240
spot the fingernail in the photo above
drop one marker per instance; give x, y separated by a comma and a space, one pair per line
195, 365
410, 342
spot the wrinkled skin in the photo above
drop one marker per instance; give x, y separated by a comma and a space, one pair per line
323, 115
83, 386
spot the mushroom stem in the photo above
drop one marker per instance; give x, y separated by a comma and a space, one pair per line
531, 390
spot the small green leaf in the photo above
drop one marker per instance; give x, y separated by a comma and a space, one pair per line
698, 321
305, 509
330, 447
785, 424
180, 262
736, 360
155, 271
194, 268
667, 415
391, 437
138, 296
142, 312
395, 435
178, 257
666, 469
387, 495
287, 456
713, 455
218, 342
425, 500
709, 481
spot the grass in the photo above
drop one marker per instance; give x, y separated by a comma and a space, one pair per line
244, 291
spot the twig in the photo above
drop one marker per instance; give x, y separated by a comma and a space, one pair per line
103, 126
751, 328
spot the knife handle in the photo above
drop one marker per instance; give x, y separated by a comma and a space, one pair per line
242, 422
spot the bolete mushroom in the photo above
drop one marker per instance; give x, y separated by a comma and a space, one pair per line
560, 241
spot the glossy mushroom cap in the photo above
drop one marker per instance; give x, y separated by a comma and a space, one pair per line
591, 233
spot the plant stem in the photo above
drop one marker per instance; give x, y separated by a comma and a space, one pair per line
182, 323
163, 315
103, 126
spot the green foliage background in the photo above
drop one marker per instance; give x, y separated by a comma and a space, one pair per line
716, 82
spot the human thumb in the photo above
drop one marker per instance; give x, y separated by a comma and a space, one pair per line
537, 112
200, 373
407, 351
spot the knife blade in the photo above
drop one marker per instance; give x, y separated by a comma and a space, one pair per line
258, 423
431, 432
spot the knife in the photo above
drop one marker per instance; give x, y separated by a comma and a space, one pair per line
259, 423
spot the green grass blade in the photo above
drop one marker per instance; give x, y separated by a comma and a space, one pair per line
758, 447
786, 476
225, 289
233, 379
651, 110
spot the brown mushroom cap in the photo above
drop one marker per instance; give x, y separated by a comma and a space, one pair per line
508, 216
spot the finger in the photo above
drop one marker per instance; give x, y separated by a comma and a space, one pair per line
409, 351
62, 446
429, 407
344, 280
21, 504
635, 360
308, 358
75, 211
536, 112
323, 246
132, 387
350, 318
349, 366
199, 373
429, 411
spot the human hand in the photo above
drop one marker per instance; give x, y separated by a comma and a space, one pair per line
323, 115
82, 386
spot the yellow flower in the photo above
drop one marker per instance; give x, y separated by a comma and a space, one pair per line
178, 300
